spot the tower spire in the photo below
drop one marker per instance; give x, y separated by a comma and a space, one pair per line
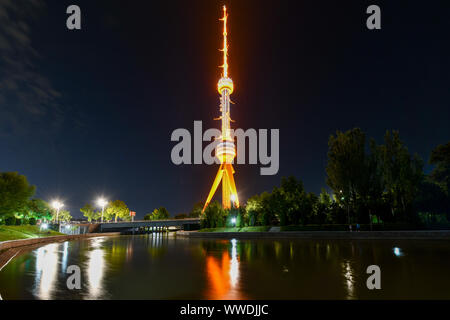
225, 44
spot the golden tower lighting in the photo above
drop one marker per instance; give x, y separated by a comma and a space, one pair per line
225, 150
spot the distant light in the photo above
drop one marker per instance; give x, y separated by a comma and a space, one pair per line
57, 204
233, 197
233, 220
397, 252
44, 226
102, 202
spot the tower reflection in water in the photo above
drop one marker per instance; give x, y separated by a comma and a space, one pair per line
223, 275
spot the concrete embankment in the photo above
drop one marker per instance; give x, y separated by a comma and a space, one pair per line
9, 249
334, 235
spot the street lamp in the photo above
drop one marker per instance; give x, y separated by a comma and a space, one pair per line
57, 205
102, 203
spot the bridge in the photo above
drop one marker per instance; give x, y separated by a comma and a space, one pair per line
149, 226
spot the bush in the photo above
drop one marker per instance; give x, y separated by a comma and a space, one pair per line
32, 221
18, 222
10, 221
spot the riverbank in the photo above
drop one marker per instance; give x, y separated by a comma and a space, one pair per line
24, 232
331, 235
10, 249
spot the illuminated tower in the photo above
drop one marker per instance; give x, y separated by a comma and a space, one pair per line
225, 150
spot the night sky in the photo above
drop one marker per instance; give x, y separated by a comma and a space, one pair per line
90, 112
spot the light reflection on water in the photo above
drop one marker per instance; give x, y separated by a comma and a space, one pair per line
96, 269
46, 270
161, 267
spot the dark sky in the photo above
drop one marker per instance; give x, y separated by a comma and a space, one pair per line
89, 113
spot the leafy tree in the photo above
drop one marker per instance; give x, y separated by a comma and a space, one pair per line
158, 214
323, 213
290, 201
64, 216
196, 210
440, 157
431, 201
117, 209
14, 193
346, 165
371, 186
402, 174
90, 213
39, 209
214, 216
253, 210
270, 207
308, 208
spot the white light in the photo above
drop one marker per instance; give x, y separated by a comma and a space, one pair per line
233, 220
397, 252
233, 197
46, 271
102, 202
234, 264
44, 226
68, 226
57, 205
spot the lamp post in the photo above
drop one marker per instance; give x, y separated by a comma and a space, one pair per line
102, 203
57, 205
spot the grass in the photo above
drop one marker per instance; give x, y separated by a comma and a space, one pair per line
24, 232
243, 229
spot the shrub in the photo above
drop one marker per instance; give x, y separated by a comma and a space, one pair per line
32, 221
10, 221
18, 222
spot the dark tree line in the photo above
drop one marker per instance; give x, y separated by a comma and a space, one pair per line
369, 183
17, 205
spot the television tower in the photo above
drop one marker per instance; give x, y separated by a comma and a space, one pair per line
225, 150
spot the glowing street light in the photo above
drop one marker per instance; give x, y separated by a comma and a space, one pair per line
57, 205
102, 203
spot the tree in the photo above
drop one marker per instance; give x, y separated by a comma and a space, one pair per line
402, 174
214, 216
290, 197
431, 201
270, 207
253, 210
196, 210
90, 213
323, 213
160, 213
440, 157
346, 165
64, 216
39, 209
14, 193
117, 209
371, 186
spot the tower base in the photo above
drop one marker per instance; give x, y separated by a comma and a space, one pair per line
229, 193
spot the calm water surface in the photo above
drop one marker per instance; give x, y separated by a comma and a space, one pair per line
164, 267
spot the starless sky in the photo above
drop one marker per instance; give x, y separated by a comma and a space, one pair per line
89, 113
